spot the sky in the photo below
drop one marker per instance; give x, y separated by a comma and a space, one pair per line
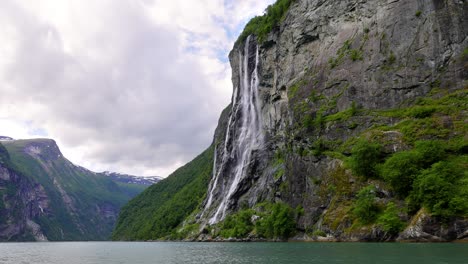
131, 86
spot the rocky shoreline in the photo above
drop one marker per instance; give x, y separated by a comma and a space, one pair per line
305, 239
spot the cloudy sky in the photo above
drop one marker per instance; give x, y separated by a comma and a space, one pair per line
133, 86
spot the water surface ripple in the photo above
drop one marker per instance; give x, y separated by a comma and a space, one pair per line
271, 253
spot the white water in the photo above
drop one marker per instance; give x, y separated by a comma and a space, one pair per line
249, 135
215, 177
216, 173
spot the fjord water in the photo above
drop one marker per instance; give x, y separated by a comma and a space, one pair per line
169, 252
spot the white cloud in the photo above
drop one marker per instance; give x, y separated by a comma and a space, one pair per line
129, 86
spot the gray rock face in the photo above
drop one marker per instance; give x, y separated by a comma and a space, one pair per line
398, 54
43, 149
27, 203
330, 56
424, 228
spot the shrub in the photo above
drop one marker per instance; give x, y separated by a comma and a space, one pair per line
390, 221
400, 170
365, 209
442, 190
186, 231
333, 62
431, 151
421, 111
355, 55
300, 211
343, 115
237, 225
292, 91
318, 147
319, 120
319, 233
279, 173
365, 156
308, 121
279, 223
353, 125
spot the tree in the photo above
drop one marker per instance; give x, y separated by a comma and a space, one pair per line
364, 158
365, 208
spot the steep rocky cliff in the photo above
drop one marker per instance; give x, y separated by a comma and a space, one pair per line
44, 197
347, 122
325, 77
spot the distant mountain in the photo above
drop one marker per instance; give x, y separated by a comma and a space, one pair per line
46, 197
130, 184
125, 178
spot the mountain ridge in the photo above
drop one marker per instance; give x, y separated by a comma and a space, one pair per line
46, 197
126, 178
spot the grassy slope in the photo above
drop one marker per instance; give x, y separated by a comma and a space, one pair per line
131, 189
160, 209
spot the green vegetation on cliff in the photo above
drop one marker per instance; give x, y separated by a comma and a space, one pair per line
160, 209
419, 160
365, 157
365, 208
262, 25
265, 220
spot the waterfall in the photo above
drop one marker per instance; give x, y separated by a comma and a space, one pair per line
215, 178
244, 134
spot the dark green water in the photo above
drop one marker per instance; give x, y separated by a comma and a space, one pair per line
136, 253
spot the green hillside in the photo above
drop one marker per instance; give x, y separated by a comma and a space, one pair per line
160, 209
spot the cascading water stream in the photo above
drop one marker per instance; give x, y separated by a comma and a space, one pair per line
210, 196
248, 137
216, 172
